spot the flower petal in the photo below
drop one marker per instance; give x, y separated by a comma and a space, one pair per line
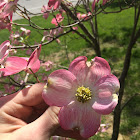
3, 48
61, 87
79, 68
106, 98
81, 116
106, 86
34, 57
99, 67
57, 4
35, 67
105, 106
14, 65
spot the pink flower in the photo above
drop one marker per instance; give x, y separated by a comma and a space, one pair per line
57, 20
48, 65
84, 92
74, 28
53, 33
25, 31
54, 3
4, 51
45, 10
7, 8
103, 127
83, 16
15, 37
16, 64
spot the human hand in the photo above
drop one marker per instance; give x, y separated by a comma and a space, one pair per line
25, 116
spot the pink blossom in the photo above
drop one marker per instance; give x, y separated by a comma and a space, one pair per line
7, 8
16, 64
15, 37
6, 12
18, 37
45, 10
58, 41
47, 35
54, 3
4, 51
57, 20
74, 28
83, 16
84, 92
53, 33
25, 31
48, 65
103, 128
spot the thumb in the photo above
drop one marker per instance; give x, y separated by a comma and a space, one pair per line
47, 123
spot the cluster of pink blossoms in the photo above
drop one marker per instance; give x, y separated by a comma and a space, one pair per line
10, 65
53, 33
54, 5
84, 92
18, 38
83, 16
7, 7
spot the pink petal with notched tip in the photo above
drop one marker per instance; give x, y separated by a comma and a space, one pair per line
99, 67
61, 88
105, 106
14, 65
81, 116
106, 86
106, 98
79, 68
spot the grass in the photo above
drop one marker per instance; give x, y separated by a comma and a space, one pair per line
114, 33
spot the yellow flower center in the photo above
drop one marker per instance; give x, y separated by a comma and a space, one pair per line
83, 94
